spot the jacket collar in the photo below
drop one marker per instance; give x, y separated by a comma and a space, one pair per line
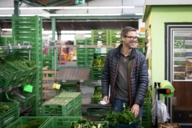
118, 51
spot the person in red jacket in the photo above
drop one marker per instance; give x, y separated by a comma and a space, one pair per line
125, 74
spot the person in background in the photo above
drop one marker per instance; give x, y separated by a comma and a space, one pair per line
125, 74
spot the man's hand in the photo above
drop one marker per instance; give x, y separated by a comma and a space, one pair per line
106, 99
135, 110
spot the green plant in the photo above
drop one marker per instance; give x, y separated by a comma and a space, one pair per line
124, 117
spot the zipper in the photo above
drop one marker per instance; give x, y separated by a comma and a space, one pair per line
129, 82
129, 85
113, 85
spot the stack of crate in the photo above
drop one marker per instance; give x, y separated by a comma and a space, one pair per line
141, 44
65, 104
84, 55
5, 41
97, 95
77, 101
29, 122
11, 114
114, 36
98, 62
147, 106
100, 37
28, 30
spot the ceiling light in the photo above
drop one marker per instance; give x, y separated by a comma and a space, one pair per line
139, 14
115, 14
7, 8
73, 7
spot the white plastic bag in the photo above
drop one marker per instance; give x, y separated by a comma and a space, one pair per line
159, 110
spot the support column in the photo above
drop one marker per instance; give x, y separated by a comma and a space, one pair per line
58, 35
53, 27
1, 27
16, 7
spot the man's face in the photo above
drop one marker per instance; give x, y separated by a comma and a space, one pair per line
130, 39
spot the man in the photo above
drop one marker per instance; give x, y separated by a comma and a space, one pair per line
126, 72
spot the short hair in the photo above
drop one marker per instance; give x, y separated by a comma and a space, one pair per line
126, 30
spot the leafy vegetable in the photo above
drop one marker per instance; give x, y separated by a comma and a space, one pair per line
124, 117
84, 123
4, 107
32, 124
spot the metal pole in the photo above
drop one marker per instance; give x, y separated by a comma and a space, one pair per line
16, 7
53, 26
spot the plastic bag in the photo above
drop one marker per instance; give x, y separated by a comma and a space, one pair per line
159, 110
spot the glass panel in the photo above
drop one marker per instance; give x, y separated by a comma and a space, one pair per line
181, 74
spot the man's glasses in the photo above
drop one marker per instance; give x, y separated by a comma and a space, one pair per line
131, 37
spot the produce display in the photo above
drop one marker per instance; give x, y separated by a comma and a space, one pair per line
15, 59
32, 124
124, 117
99, 62
3, 107
84, 123
97, 95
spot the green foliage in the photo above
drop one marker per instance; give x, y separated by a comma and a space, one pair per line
124, 117
84, 123
3, 107
32, 124
99, 62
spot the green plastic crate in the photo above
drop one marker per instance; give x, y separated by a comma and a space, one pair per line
26, 119
57, 107
9, 116
9, 75
61, 122
100, 36
97, 95
88, 41
25, 99
141, 41
97, 112
80, 42
77, 98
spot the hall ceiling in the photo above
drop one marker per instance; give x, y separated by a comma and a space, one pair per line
52, 2
84, 22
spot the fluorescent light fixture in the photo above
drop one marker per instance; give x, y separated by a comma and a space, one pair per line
73, 7
118, 14
5, 15
77, 32
48, 15
10, 29
6, 29
139, 14
7, 8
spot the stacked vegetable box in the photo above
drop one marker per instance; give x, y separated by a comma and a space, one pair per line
100, 37
114, 36
84, 56
16, 71
9, 111
50, 61
64, 104
28, 31
147, 106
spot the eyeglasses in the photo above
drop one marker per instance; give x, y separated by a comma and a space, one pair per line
131, 37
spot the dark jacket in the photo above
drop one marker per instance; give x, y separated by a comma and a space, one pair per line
138, 75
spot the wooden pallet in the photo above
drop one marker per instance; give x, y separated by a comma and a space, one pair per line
48, 80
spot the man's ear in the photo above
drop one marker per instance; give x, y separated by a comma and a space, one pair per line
122, 38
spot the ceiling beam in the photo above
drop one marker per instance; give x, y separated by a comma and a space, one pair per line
68, 3
42, 2
87, 18
36, 5
57, 2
